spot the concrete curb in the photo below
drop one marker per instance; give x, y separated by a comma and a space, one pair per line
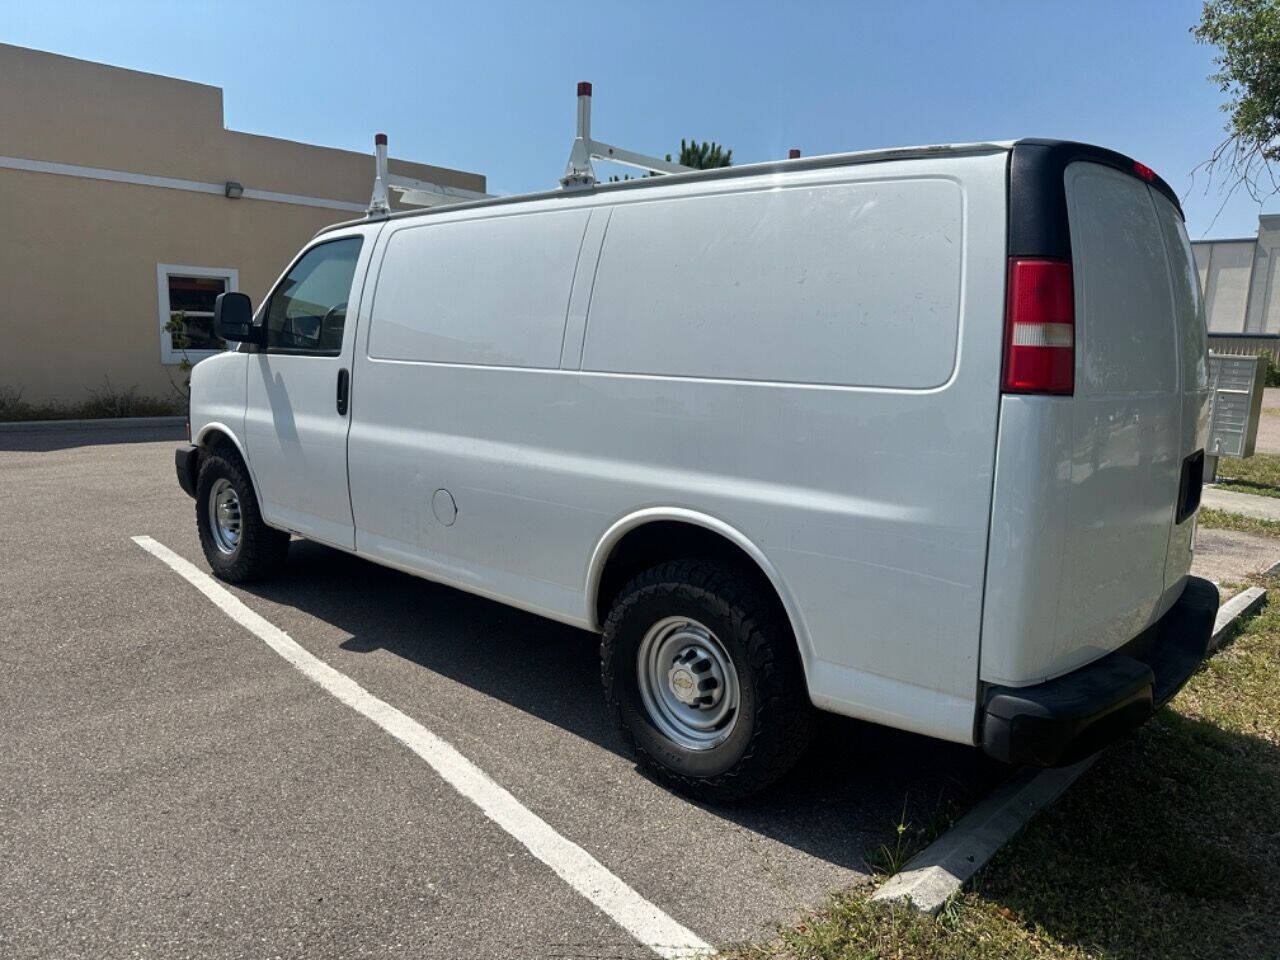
106, 423
947, 864
1231, 613
939, 871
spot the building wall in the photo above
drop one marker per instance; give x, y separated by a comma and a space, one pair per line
1264, 292
78, 256
1241, 281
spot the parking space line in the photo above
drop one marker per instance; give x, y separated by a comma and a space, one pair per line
640, 918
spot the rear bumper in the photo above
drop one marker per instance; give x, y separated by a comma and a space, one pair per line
187, 460
1065, 719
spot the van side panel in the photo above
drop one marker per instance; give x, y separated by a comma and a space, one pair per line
1086, 485
872, 267
870, 502
491, 290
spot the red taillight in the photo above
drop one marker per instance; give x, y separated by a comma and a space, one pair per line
1145, 172
1039, 332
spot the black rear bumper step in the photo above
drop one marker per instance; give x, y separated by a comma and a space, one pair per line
1065, 719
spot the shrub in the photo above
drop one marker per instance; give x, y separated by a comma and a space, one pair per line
103, 402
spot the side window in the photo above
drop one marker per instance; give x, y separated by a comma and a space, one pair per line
307, 312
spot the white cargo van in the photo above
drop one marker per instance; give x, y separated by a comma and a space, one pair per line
913, 436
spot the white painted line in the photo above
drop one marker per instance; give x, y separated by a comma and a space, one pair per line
640, 918
936, 873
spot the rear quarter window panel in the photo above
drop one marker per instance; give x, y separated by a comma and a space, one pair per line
491, 290
1125, 334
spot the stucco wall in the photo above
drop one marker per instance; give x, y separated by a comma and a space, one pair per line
78, 256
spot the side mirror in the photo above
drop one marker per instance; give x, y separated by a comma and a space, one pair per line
233, 318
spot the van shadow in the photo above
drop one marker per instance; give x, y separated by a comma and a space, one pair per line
1169, 847
843, 801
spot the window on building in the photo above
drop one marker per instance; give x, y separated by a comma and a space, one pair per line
187, 296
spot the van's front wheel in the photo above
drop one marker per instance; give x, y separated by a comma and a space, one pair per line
704, 680
238, 545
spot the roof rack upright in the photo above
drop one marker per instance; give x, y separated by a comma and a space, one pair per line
579, 173
419, 193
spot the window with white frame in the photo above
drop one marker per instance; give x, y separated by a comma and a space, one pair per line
187, 295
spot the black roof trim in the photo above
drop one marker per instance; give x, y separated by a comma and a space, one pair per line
1038, 196
1226, 240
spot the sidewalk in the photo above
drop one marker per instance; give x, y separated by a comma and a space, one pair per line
1230, 557
1269, 424
1245, 504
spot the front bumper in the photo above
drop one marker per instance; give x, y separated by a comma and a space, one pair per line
187, 460
1065, 719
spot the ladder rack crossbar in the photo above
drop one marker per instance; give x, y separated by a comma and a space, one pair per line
418, 193
580, 174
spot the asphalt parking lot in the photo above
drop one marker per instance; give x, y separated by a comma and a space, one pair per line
170, 786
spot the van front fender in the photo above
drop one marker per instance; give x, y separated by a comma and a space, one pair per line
217, 428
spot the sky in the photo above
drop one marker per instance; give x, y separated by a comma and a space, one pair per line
489, 87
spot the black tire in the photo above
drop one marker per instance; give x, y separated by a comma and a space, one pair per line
261, 550
775, 718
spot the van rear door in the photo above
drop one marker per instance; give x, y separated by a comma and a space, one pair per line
1090, 536
1128, 447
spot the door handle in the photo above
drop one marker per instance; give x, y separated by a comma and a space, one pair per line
344, 386
1189, 485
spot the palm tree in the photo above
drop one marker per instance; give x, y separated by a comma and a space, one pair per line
699, 156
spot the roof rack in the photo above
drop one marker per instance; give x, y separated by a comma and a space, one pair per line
418, 193
579, 173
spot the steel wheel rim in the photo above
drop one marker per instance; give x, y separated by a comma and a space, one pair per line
224, 516
688, 683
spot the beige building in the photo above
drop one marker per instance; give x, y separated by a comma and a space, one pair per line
119, 207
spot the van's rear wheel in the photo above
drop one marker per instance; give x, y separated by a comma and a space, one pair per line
704, 679
238, 545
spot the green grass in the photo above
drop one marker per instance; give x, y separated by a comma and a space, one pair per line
1168, 847
1257, 474
1224, 520
102, 403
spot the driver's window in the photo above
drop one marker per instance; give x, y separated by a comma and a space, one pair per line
308, 310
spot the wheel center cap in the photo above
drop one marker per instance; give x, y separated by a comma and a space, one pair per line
683, 685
